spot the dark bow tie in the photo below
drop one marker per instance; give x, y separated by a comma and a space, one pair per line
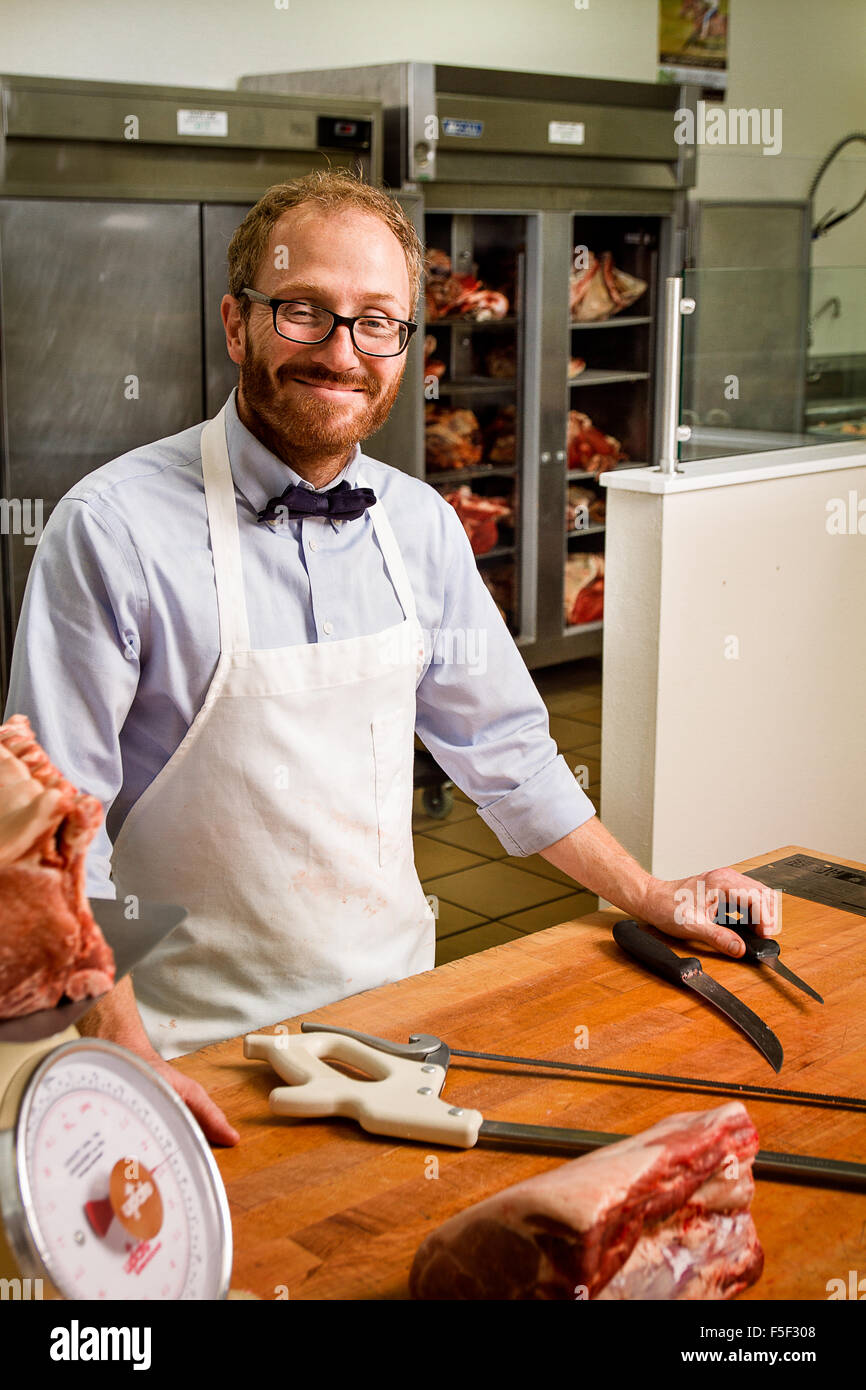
343, 503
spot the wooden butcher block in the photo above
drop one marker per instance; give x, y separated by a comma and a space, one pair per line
322, 1210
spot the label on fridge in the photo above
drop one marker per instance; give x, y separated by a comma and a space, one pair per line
469, 130
202, 122
565, 132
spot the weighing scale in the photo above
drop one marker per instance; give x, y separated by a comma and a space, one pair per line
108, 1189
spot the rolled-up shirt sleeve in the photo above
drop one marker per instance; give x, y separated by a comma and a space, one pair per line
75, 666
482, 718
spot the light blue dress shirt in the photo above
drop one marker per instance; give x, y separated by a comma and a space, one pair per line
119, 636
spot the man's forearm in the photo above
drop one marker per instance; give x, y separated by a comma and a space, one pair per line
592, 857
688, 908
116, 1018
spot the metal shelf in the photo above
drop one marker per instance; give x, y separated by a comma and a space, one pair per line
591, 530
614, 322
595, 376
483, 385
582, 627
839, 406
577, 475
481, 470
454, 319
499, 552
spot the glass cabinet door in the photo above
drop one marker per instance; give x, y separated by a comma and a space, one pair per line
473, 386
610, 382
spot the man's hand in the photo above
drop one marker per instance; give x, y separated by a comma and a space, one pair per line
688, 907
217, 1129
116, 1017
684, 907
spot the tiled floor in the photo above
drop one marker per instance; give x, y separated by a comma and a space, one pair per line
485, 895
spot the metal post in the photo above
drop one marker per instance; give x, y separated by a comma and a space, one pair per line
673, 432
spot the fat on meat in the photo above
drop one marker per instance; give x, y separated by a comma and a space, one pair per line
661, 1215
50, 944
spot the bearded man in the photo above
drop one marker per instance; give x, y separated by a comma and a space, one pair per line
225, 639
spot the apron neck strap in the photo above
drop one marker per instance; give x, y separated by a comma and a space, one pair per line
391, 552
225, 541
222, 515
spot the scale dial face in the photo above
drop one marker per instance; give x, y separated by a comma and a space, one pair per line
119, 1196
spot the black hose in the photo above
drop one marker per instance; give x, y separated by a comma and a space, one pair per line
832, 218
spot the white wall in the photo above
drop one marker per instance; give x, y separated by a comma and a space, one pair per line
804, 57
211, 43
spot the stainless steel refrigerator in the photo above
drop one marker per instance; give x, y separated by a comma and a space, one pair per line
117, 203
523, 174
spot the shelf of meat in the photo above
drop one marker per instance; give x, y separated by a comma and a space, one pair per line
474, 398
614, 268
472, 386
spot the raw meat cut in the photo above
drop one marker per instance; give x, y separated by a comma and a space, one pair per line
584, 588
500, 436
502, 361
480, 516
661, 1215
590, 451
582, 508
439, 289
466, 295
600, 291
452, 439
476, 302
432, 365
50, 944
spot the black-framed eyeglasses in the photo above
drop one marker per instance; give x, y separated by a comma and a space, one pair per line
300, 322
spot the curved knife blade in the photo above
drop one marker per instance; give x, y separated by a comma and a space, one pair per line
687, 970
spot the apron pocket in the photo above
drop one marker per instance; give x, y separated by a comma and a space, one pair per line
393, 763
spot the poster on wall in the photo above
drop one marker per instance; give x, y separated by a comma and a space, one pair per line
693, 43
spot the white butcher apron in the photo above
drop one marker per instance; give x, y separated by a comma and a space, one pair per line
283, 822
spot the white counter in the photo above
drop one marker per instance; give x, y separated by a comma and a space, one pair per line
734, 688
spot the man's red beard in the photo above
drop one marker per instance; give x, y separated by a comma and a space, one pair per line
307, 426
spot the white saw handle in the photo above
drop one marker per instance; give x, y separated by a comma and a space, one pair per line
401, 1100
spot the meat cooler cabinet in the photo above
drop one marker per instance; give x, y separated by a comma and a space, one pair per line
117, 204
543, 192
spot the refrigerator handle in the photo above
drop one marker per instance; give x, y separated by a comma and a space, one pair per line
673, 433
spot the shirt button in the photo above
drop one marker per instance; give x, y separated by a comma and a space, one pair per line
314, 545
328, 628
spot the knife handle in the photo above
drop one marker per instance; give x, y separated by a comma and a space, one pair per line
757, 947
638, 943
